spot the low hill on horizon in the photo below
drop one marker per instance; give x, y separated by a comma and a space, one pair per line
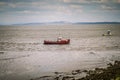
62, 22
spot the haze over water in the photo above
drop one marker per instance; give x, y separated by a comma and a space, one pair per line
24, 56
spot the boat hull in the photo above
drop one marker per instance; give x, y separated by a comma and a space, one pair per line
106, 34
67, 41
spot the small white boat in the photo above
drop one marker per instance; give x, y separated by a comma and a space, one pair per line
108, 33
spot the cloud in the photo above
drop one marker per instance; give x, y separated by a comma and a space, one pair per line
66, 1
118, 1
50, 10
29, 4
12, 5
110, 1
105, 7
23, 4
75, 1
76, 8
91, 1
80, 1
28, 12
26, 7
113, 7
2, 3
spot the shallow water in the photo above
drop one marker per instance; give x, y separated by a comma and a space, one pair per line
23, 55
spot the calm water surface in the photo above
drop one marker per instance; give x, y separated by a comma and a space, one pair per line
23, 55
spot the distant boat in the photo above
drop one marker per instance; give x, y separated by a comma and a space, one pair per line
62, 41
108, 33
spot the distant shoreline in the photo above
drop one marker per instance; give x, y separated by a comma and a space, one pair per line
58, 23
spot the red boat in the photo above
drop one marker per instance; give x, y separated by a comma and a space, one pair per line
62, 41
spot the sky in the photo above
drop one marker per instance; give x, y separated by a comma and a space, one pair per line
38, 11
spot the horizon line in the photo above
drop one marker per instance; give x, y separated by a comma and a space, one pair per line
64, 22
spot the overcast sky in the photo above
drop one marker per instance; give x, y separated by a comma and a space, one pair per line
27, 11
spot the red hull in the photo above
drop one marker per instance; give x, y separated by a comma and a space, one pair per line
67, 41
